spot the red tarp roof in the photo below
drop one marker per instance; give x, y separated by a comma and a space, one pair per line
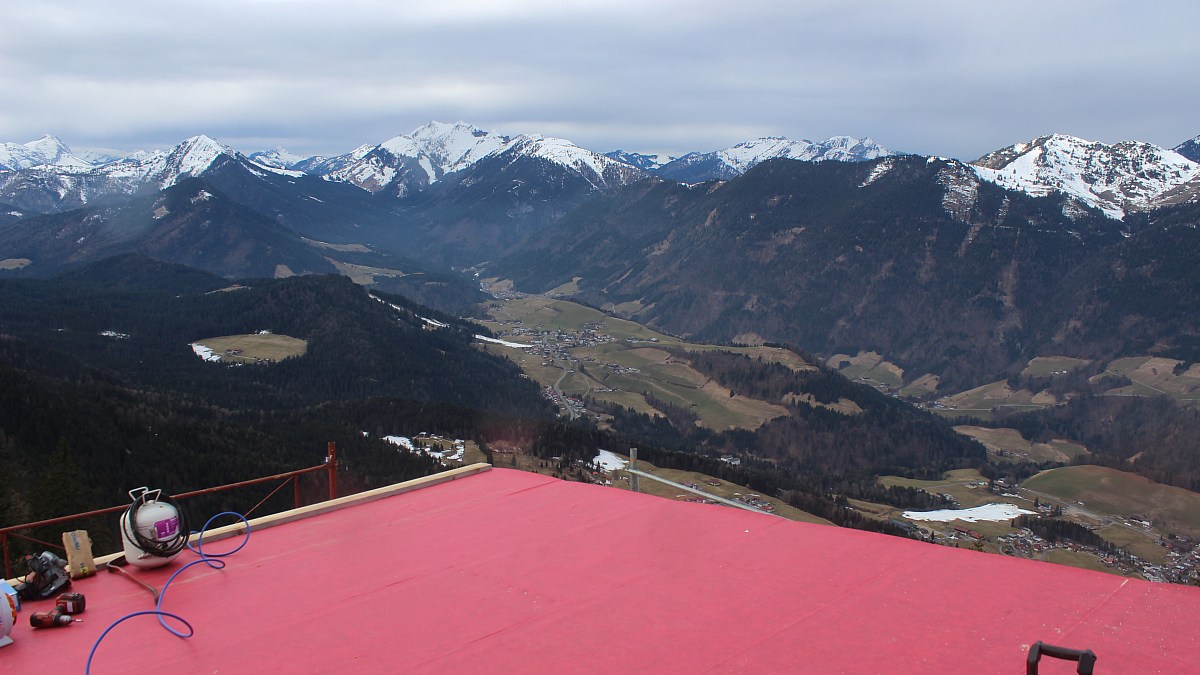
507, 571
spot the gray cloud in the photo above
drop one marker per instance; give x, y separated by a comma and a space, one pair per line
949, 78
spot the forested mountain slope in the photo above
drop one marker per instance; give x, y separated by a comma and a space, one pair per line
915, 258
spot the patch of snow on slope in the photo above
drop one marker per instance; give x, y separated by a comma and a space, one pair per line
401, 441
609, 461
961, 189
987, 512
205, 353
503, 343
880, 169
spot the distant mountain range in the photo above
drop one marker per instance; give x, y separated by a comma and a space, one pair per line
44, 175
696, 167
834, 245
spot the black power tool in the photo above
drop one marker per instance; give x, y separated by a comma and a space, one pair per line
46, 576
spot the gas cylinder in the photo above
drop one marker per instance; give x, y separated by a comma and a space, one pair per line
150, 529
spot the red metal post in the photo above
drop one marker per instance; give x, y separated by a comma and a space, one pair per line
295, 492
331, 467
7, 567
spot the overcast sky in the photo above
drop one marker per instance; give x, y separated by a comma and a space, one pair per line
956, 78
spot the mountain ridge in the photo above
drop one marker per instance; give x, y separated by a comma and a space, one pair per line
1118, 178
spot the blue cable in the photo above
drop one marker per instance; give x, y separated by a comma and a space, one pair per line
209, 559
88, 668
205, 559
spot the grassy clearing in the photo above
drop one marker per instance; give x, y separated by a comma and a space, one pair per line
869, 367
15, 263
994, 395
952, 414
1069, 448
627, 399
577, 384
922, 386
364, 275
876, 511
1087, 561
1153, 376
255, 347
675, 373
569, 288
627, 308
712, 403
1119, 494
345, 248
1142, 544
1010, 445
473, 455
1043, 366
530, 364
843, 405
955, 483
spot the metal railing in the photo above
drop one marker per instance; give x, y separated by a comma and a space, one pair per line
329, 467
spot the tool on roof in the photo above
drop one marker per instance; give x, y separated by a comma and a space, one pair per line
51, 619
1085, 657
70, 603
115, 566
154, 529
45, 575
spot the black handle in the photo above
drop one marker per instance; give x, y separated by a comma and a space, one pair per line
1085, 657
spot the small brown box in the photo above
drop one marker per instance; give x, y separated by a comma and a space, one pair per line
80, 562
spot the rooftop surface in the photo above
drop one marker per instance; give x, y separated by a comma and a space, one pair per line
507, 571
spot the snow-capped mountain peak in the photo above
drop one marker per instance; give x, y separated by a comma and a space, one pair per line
49, 147
277, 158
456, 146
45, 151
738, 159
643, 161
53, 187
745, 155
600, 170
560, 151
197, 153
430, 152
165, 167
419, 158
1117, 178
